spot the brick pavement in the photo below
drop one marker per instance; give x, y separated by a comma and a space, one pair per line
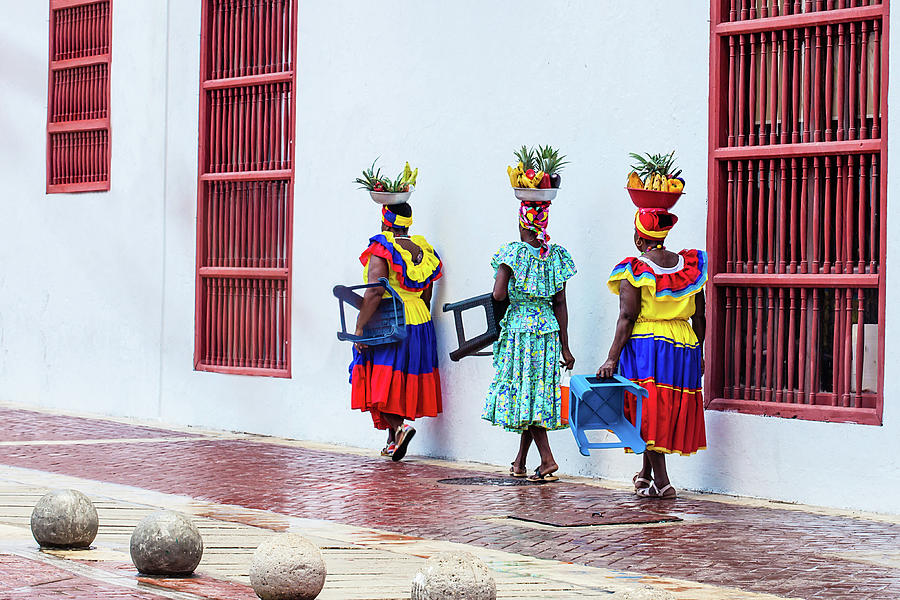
25, 426
784, 552
27, 579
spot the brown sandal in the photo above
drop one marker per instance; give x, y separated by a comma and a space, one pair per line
514, 473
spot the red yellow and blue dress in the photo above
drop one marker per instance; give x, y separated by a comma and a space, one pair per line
401, 378
663, 354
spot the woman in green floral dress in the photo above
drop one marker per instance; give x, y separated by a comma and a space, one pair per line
524, 396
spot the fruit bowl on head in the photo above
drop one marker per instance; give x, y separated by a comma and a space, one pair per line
390, 197
653, 198
535, 194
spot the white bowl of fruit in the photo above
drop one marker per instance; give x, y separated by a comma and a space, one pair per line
383, 189
536, 177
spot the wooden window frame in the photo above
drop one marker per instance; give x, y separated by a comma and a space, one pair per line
268, 277
84, 126
722, 149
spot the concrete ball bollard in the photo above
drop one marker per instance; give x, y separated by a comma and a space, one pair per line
287, 566
166, 543
454, 576
64, 519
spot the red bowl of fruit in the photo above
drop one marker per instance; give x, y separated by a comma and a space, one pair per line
653, 198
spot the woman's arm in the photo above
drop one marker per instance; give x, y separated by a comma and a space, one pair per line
426, 296
501, 283
629, 309
698, 324
378, 268
561, 310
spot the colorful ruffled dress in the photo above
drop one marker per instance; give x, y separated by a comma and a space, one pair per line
525, 390
663, 354
401, 378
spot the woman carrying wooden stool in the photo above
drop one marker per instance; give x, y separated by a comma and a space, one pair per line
399, 381
656, 347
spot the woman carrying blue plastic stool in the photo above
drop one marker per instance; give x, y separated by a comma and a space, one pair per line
524, 396
398, 381
658, 344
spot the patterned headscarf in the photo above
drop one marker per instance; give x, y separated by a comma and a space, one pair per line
647, 223
392, 219
536, 218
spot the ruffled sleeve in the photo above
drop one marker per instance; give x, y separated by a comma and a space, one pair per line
685, 282
412, 277
534, 276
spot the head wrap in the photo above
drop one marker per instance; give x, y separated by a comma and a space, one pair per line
647, 223
392, 219
536, 218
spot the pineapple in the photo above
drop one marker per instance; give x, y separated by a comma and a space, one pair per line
549, 159
371, 179
528, 157
655, 164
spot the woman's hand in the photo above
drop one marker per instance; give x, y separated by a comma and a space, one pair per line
359, 345
568, 361
608, 368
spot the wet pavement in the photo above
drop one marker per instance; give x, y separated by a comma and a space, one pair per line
727, 547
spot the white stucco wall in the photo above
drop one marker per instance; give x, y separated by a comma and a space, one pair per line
97, 290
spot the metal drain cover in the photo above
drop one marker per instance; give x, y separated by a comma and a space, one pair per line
499, 481
587, 518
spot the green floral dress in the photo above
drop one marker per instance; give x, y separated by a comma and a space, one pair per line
525, 389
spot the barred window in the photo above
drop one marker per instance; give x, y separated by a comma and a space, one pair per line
245, 191
796, 208
78, 103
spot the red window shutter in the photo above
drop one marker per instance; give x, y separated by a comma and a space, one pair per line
796, 206
78, 96
245, 189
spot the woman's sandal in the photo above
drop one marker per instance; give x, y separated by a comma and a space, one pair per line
389, 449
542, 477
635, 480
404, 435
657, 494
514, 473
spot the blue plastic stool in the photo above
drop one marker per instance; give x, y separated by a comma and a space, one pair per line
600, 404
387, 325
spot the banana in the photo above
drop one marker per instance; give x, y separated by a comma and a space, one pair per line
658, 182
513, 176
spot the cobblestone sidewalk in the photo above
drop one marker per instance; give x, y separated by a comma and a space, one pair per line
576, 539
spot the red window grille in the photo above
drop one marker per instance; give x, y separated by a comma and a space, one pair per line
796, 206
78, 96
245, 188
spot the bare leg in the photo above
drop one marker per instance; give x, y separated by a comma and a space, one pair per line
548, 464
521, 458
394, 422
660, 476
646, 471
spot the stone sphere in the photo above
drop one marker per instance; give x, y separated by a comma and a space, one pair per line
64, 519
166, 543
454, 576
287, 566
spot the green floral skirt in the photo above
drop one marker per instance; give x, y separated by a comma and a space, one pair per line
525, 389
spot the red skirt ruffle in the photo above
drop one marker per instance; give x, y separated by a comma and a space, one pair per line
671, 418
379, 389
